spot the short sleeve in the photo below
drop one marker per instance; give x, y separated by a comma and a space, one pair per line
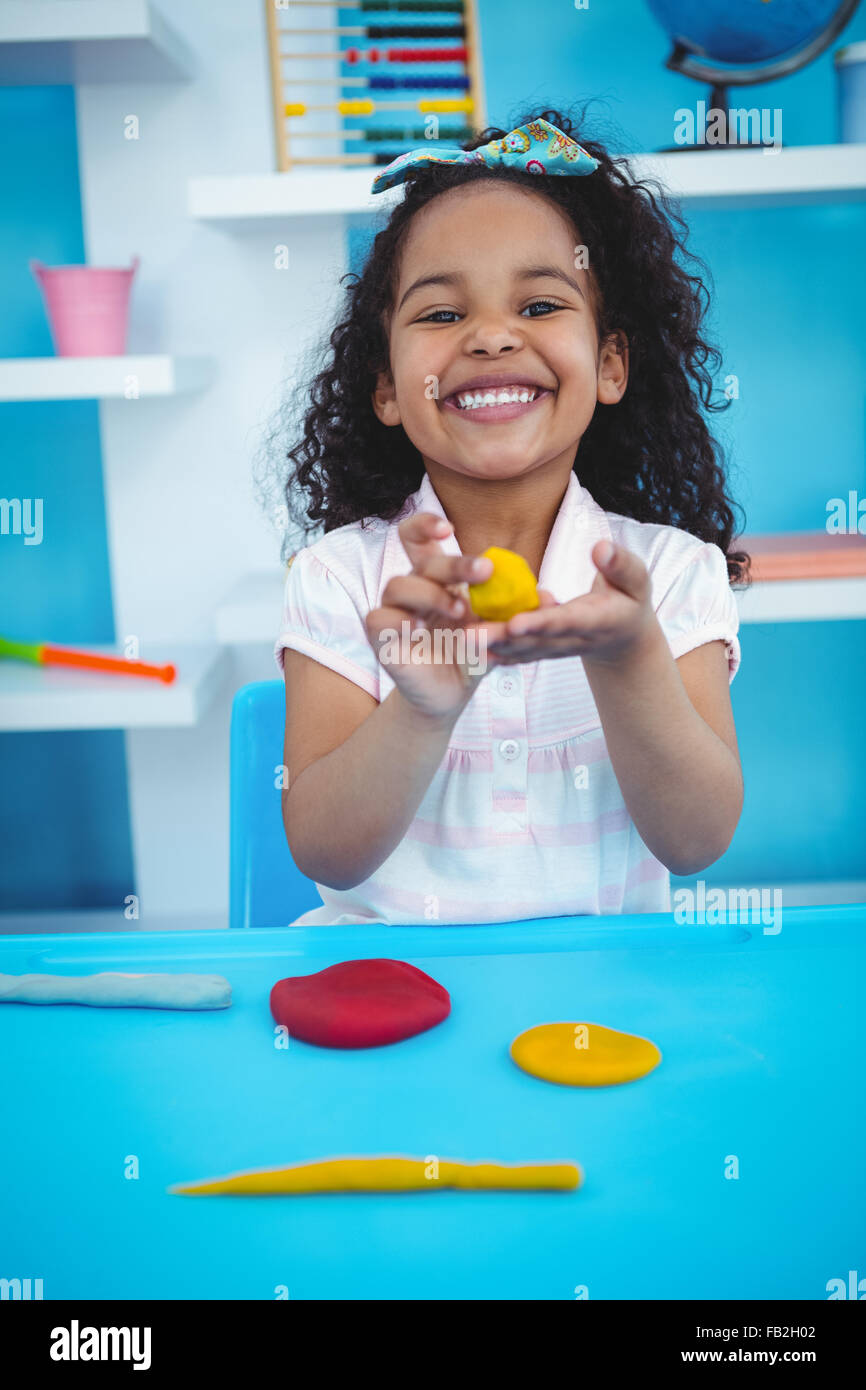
321, 619
700, 607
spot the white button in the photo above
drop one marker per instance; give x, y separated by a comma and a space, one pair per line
506, 685
510, 749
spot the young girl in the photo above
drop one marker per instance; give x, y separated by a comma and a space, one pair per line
520, 364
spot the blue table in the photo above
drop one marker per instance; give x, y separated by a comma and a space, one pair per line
762, 1048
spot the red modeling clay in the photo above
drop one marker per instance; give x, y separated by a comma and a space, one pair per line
359, 1003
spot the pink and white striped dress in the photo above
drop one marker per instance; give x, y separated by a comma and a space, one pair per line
524, 817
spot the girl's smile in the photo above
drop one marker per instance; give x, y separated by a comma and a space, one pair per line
495, 404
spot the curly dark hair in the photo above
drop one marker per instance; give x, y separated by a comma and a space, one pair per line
650, 457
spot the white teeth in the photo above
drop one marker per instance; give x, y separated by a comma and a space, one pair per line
476, 400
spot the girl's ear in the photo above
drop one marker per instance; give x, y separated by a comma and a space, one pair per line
384, 400
612, 369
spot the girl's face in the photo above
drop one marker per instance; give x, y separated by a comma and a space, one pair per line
492, 284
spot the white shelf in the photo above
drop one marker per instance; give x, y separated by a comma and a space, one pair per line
251, 611
250, 198
100, 378
803, 600
754, 177
705, 178
56, 697
43, 42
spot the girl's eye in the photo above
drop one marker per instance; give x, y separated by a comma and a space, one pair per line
545, 303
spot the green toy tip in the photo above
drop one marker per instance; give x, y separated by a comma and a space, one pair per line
21, 651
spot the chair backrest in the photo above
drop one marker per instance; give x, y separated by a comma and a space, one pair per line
266, 889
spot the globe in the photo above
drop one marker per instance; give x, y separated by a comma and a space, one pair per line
766, 38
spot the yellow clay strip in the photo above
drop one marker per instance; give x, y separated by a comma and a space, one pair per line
387, 1175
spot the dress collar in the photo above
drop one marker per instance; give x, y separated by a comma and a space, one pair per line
567, 569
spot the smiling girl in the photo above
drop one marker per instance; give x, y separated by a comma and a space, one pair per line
520, 364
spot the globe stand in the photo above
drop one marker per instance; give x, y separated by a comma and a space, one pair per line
720, 78
718, 100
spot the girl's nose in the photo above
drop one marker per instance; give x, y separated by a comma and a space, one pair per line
494, 338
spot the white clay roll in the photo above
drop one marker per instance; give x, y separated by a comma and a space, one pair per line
112, 990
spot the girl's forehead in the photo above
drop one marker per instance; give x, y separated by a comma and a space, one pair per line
486, 223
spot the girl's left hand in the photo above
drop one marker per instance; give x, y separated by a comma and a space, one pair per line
606, 624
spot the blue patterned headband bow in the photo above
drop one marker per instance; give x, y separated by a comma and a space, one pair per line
539, 148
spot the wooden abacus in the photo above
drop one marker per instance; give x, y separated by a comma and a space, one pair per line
450, 53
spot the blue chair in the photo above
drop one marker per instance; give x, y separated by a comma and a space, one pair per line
266, 889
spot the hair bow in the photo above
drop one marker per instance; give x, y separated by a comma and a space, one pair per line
539, 148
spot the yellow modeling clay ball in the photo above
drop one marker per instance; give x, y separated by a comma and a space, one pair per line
510, 589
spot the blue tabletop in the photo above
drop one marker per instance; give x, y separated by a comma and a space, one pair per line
762, 1063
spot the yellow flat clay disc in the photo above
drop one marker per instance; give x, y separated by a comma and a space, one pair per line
583, 1054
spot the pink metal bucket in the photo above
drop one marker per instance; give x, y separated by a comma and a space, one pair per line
87, 308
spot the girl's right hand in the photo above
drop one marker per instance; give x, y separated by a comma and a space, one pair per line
434, 595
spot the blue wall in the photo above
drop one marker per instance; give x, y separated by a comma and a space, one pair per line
64, 822
798, 704
789, 301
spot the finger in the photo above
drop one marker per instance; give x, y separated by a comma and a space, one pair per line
417, 594
380, 620
382, 624
621, 568
454, 569
421, 535
545, 600
580, 617
517, 657
523, 652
